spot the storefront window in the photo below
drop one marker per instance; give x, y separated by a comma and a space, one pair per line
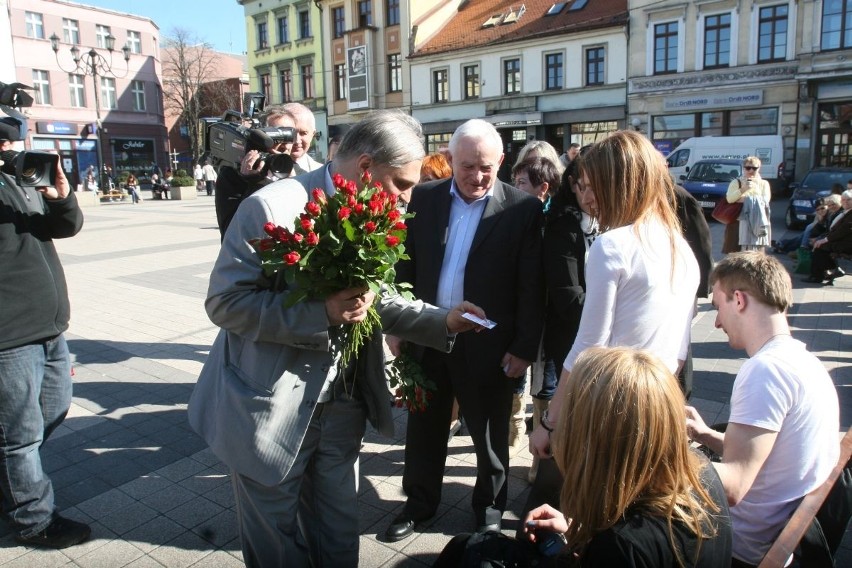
435, 142
835, 134
132, 155
672, 129
753, 121
711, 124
590, 132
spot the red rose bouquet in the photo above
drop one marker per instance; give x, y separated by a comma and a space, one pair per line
350, 239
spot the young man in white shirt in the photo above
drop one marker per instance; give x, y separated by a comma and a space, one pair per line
781, 441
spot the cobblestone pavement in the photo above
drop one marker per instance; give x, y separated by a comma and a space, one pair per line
126, 461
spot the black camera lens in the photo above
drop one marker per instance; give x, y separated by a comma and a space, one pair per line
30, 174
279, 164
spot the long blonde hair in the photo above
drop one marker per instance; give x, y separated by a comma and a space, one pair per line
622, 444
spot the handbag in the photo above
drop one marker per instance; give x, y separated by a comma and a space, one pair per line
803, 261
725, 212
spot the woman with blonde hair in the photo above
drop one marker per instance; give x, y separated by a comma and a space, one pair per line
540, 149
633, 490
641, 275
752, 231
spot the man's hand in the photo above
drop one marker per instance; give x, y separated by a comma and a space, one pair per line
819, 242
349, 306
546, 518
60, 190
457, 324
514, 367
540, 442
251, 164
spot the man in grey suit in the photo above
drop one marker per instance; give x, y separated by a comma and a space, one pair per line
472, 237
272, 400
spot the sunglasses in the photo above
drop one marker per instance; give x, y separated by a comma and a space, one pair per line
750, 167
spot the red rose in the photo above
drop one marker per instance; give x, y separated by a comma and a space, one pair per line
282, 234
292, 258
400, 226
359, 208
318, 195
265, 245
351, 188
306, 222
351, 201
393, 215
313, 208
392, 200
270, 228
366, 177
370, 227
391, 240
312, 239
343, 213
378, 185
376, 207
339, 181
298, 237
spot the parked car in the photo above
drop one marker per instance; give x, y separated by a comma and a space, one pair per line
816, 184
708, 180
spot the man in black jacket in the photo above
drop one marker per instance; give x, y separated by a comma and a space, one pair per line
35, 366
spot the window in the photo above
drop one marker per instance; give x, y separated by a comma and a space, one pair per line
365, 13
772, 34
71, 31
836, 24
134, 42
304, 24
108, 93
717, 41
471, 81
35, 25
265, 86
41, 85
436, 142
102, 33
77, 91
392, 11
595, 66
665, 48
283, 31
286, 80
440, 85
339, 82
262, 36
137, 88
511, 76
394, 73
308, 81
553, 71
338, 16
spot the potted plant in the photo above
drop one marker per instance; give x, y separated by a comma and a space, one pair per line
183, 186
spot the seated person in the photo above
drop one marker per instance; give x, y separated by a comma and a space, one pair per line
823, 213
838, 239
781, 440
634, 494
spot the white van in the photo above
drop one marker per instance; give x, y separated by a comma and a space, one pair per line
769, 148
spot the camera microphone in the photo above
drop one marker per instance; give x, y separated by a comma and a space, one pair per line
259, 140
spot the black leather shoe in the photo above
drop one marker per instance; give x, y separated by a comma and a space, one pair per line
401, 528
836, 273
488, 527
60, 533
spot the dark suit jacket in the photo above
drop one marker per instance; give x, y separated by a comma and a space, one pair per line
503, 274
697, 235
840, 236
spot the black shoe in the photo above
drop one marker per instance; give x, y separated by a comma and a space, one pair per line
489, 527
830, 275
60, 533
401, 528
812, 280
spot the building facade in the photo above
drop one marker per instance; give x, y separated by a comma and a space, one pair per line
118, 109
553, 71
285, 59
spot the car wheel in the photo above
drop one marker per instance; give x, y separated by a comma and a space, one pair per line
790, 218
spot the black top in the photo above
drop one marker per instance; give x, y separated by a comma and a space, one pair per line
641, 540
231, 188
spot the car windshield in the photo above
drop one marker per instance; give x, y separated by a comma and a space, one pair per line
820, 181
715, 172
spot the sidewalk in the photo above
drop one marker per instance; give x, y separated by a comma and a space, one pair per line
126, 461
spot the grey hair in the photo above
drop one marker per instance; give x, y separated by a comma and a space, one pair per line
847, 194
833, 198
390, 137
297, 110
272, 112
476, 129
544, 150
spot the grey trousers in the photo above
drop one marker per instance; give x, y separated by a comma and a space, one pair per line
310, 518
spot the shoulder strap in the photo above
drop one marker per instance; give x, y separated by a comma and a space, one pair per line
739, 183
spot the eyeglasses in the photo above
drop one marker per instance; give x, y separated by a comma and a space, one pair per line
750, 167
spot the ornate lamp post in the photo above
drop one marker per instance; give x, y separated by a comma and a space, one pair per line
94, 64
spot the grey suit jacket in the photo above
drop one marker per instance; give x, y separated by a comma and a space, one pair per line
259, 386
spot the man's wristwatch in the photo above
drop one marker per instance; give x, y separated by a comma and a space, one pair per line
545, 422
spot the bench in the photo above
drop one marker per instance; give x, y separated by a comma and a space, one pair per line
803, 517
114, 195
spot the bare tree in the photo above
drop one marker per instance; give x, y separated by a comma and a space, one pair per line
192, 84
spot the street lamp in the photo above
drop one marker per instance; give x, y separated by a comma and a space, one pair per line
94, 64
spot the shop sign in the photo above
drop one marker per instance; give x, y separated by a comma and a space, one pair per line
727, 99
56, 128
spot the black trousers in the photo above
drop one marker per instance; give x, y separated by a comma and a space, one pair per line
820, 262
485, 400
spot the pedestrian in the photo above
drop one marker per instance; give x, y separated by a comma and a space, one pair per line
198, 174
273, 401
132, 186
209, 175
35, 365
474, 237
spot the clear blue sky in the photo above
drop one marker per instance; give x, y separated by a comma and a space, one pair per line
221, 23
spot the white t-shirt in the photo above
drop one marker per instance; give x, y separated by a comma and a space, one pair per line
785, 389
632, 299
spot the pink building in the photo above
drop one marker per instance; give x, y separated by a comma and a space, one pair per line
131, 131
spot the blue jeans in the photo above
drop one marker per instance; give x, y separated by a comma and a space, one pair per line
35, 394
550, 380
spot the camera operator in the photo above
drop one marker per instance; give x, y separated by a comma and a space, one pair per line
233, 186
35, 365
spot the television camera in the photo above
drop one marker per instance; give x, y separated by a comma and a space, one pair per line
31, 168
227, 139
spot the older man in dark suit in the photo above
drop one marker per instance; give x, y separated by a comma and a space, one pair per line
475, 237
